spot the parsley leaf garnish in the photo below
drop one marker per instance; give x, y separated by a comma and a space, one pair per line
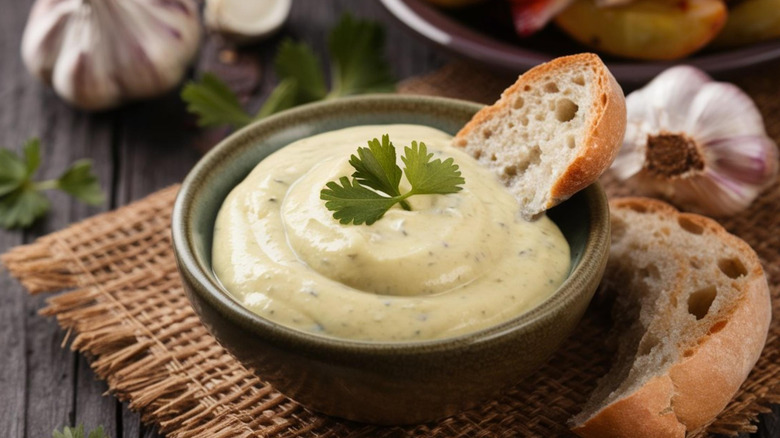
214, 103
21, 200
374, 188
78, 432
357, 65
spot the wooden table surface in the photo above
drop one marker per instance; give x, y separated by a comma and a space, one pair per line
136, 149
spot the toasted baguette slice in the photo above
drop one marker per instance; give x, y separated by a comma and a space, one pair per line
692, 310
552, 133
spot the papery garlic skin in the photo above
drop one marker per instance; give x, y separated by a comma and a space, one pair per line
730, 159
97, 54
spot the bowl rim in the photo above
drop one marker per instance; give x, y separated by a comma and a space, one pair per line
593, 254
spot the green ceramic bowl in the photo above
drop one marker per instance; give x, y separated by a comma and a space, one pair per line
383, 383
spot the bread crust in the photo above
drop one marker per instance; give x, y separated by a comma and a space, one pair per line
605, 132
602, 143
707, 375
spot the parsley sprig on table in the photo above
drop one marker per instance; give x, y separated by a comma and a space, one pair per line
78, 432
21, 200
375, 186
357, 66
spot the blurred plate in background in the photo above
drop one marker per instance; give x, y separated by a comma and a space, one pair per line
484, 33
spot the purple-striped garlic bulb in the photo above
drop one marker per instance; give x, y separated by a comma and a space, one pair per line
97, 54
698, 143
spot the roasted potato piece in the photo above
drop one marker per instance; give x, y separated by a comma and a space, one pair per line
749, 22
645, 29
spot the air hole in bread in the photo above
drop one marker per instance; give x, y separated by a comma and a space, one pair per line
700, 301
647, 344
650, 271
527, 88
476, 154
639, 208
695, 262
733, 268
540, 117
518, 103
487, 133
688, 353
603, 99
510, 170
579, 80
689, 225
524, 121
718, 326
570, 143
493, 157
565, 110
550, 87
666, 231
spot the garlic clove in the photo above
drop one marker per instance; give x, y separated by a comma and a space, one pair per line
99, 53
712, 113
750, 159
670, 95
246, 21
698, 143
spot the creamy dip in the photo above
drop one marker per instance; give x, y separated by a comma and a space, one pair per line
454, 264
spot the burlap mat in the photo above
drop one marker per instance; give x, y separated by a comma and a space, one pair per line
128, 313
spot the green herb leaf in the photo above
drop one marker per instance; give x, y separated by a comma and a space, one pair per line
21, 208
21, 200
13, 170
214, 103
357, 64
32, 155
98, 433
430, 177
352, 202
297, 61
284, 96
376, 168
78, 432
81, 183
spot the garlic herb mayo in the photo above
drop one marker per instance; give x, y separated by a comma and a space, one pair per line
455, 264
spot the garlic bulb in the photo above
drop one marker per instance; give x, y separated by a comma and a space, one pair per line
246, 21
701, 144
99, 53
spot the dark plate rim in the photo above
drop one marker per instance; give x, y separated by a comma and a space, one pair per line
433, 25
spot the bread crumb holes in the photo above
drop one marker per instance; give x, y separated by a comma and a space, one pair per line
550, 87
639, 208
718, 326
579, 80
700, 301
733, 268
565, 110
518, 103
